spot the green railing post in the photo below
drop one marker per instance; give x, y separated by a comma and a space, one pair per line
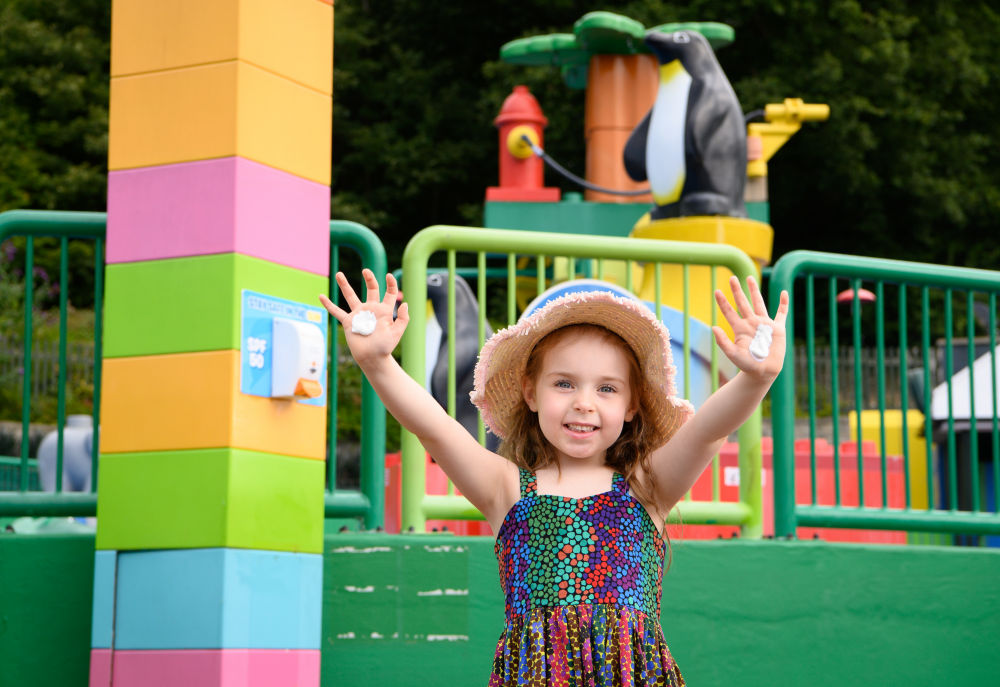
372, 253
750, 461
27, 362
414, 477
783, 408
61, 392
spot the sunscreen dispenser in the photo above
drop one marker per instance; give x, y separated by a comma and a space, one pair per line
298, 356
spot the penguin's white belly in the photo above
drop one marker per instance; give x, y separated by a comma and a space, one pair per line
665, 141
432, 352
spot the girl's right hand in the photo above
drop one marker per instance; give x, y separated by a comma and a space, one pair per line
388, 331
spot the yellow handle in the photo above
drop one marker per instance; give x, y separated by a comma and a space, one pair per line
794, 110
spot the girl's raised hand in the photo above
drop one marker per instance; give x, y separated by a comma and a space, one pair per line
758, 347
387, 332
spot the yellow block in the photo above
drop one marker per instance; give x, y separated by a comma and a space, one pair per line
752, 237
219, 110
292, 38
870, 421
192, 400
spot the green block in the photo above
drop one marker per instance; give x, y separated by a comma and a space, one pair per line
760, 211
568, 216
191, 304
207, 498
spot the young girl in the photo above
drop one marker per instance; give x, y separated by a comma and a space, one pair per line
596, 449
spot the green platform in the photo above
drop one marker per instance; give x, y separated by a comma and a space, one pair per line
183, 305
736, 613
210, 498
573, 215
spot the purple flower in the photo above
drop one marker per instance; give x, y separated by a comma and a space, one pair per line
41, 274
9, 251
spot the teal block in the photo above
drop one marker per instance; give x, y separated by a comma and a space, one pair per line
102, 620
218, 599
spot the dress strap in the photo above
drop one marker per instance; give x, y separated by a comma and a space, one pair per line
528, 485
619, 483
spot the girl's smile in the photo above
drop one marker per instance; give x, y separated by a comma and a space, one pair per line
582, 395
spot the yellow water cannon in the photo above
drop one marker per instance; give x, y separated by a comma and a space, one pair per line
782, 121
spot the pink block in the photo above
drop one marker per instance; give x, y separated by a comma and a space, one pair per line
229, 205
100, 668
217, 668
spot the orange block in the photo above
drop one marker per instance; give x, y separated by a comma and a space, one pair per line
219, 110
292, 38
192, 400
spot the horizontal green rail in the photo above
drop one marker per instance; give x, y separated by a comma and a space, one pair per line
940, 491
367, 503
516, 251
889, 519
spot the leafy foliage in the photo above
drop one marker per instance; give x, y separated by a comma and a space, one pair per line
54, 76
905, 167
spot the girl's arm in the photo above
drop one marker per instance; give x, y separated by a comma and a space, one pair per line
678, 464
481, 475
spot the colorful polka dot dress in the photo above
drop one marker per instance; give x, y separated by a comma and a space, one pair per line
582, 583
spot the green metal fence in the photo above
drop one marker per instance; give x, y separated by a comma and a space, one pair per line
500, 256
33, 225
935, 315
24, 498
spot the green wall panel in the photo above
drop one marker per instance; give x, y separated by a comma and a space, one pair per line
734, 613
191, 304
46, 592
210, 498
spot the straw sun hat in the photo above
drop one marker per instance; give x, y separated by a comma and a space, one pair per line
502, 362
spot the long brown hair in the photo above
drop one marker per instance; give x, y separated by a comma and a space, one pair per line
527, 447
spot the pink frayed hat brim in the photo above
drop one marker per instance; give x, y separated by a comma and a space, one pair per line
501, 367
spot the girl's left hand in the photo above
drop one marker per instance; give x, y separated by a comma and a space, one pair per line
756, 358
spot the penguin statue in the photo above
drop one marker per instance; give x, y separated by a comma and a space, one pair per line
466, 337
692, 143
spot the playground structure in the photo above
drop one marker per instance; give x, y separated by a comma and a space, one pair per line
427, 606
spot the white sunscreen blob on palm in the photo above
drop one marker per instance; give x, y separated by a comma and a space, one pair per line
363, 323
760, 347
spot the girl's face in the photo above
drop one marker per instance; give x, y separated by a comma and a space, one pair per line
582, 395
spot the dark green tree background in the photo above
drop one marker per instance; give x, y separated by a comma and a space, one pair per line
54, 62
907, 165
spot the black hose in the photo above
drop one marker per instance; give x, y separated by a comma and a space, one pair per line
537, 150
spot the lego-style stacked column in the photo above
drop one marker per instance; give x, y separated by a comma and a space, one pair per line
210, 493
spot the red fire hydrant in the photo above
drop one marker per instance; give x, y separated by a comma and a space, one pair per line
522, 173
